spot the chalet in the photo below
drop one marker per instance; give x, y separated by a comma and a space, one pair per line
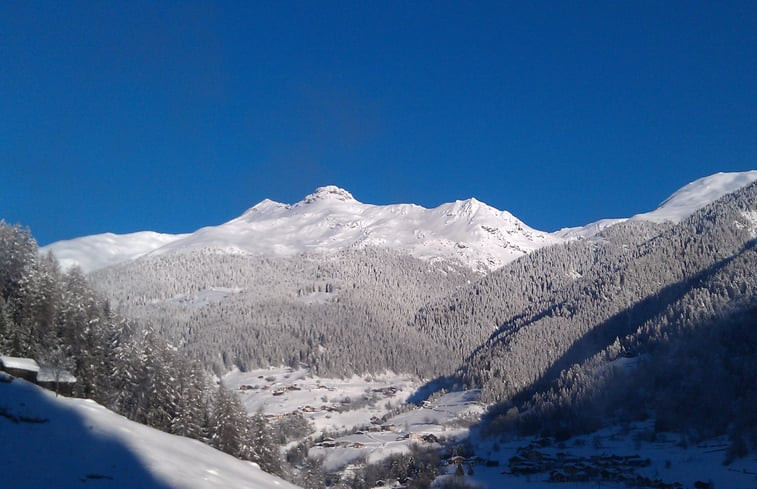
328, 442
55, 379
23, 368
430, 438
58, 380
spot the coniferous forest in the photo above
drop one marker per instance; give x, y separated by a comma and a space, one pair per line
642, 321
56, 318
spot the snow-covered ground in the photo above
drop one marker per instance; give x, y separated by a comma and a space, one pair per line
695, 195
452, 418
49, 441
332, 405
57, 442
373, 432
670, 461
435, 422
103, 250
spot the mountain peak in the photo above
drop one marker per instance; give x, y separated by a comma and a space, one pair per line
468, 207
329, 192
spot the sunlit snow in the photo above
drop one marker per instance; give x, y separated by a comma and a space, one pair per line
50, 441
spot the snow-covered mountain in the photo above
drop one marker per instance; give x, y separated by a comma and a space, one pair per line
696, 195
683, 203
330, 220
102, 250
50, 441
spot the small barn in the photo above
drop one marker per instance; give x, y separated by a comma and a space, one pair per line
23, 368
55, 379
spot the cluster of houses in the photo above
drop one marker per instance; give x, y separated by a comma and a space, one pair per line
563, 467
55, 379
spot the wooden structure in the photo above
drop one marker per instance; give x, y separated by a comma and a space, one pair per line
23, 368
54, 379
57, 380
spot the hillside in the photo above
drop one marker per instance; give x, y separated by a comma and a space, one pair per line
246, 294
647, 319
59, 442
625, 286
342, 314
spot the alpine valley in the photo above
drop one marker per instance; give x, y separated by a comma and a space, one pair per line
363, 345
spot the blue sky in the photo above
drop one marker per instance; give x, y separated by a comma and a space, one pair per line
169, 116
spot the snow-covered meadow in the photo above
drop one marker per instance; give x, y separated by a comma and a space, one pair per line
331, 404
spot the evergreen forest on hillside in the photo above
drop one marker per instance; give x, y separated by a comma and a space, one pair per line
643, 321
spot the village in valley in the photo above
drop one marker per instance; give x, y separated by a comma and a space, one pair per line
360, 420
367, 420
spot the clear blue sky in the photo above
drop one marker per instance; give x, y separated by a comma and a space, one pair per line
125, 116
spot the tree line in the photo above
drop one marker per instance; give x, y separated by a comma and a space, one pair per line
56, 318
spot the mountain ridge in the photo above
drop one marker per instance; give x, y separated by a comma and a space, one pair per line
330, 219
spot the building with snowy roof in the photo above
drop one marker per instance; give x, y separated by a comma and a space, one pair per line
24, 368
56, 379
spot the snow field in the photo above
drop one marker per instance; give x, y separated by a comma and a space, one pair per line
49, 441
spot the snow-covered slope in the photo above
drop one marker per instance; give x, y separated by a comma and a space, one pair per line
330, 220
696, 195
587, 231
102, 250
66, 443
678, 206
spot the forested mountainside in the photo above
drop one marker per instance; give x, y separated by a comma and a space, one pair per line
643, 320
341, 314
465, 320
690, 366
57, 319
370, 310
625, 287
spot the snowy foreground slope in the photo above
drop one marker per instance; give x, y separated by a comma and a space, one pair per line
65, 443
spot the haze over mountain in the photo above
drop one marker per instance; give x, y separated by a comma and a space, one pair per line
331, 219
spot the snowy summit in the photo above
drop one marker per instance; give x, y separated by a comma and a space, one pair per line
330, 220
